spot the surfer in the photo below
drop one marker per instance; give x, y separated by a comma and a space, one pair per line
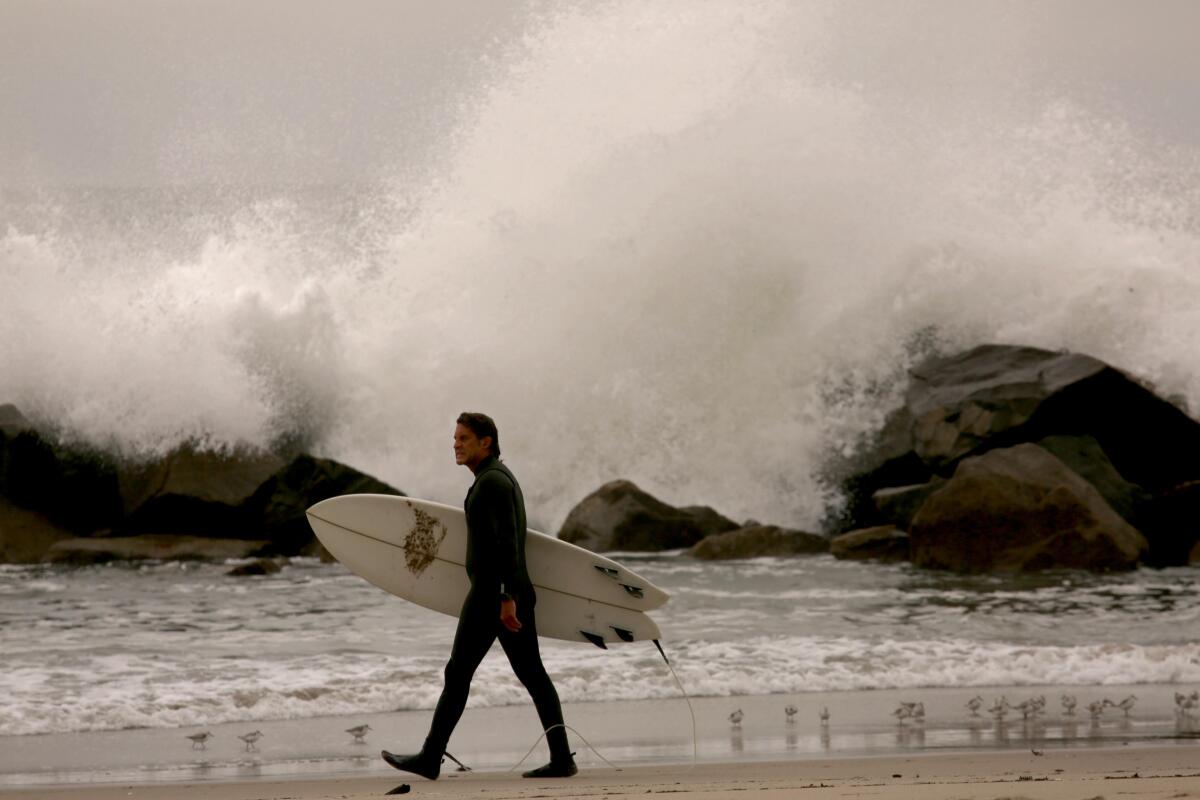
499, 605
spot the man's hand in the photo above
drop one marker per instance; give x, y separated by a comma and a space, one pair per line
508, 615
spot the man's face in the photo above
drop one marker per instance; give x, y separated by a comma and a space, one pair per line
469, 450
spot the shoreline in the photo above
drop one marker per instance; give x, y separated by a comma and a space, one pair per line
1152, 772
633, 735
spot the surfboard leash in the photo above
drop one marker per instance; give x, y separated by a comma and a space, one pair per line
691, 711
572, 730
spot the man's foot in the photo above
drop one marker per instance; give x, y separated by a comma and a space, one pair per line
418, 764
555, 769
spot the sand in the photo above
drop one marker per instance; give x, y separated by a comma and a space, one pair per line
1141, 772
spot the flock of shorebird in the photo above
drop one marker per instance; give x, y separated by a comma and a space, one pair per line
1187, 707
359, 733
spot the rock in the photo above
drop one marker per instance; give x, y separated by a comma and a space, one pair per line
1085, 456
1021, 509
155, 547
260, 566
759, 540
277, 507
620, 516
881, 543
1194, 556
26, 536
896, 506
1172, 524
997, 396
74, 487
195, 492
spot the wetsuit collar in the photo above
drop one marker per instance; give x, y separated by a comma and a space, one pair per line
486, 463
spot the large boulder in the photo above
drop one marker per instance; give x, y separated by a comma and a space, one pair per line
1172, 524
1021, 509
26, 536
277, 507
895, 506
996, 396
195, 492
101, 550
881, 543
73, 486
620, 516
759, 540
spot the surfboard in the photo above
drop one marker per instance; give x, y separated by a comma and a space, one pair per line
416, 549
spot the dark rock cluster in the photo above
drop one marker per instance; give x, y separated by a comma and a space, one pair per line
1009, 458
71, 504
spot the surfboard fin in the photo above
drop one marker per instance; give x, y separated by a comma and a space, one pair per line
609, 571
595, 639
625, 636
634, 591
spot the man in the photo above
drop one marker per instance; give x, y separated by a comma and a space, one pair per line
499, 605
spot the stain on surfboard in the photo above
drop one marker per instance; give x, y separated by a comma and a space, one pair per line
422, 542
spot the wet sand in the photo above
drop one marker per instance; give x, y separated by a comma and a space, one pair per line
1142, 772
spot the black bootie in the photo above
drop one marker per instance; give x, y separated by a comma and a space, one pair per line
423, 763
557, 768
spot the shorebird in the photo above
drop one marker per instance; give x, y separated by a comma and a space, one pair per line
974, 704
1125, 705
736, 718
904, 711
999, 709
250, 738
358, 732
1069, 702
1031, 707
1185, 703
790, 711
199, 739
1096, 708
824, 716
918, 712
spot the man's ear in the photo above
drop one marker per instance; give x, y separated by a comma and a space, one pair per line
486, 443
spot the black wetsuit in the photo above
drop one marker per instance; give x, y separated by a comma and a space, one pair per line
496, 565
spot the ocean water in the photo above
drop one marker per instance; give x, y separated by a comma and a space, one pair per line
182, 645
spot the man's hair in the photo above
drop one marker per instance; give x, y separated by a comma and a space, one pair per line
481, 425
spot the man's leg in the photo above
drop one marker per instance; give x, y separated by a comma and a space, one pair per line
477, 627
526, 659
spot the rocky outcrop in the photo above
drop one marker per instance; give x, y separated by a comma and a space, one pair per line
277, 506
759, 540
996, 396
151, 547
1019, 509
51, 491
259, 566
1171, 521
882, 543
26, 536
620, 516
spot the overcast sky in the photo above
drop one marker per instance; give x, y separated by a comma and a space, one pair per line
178, 91
144, 91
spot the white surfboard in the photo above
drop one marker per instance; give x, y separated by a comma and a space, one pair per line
416, 549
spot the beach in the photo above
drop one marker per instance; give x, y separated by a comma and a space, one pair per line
1144, 772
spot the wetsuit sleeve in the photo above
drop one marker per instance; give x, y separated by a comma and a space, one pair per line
497, 501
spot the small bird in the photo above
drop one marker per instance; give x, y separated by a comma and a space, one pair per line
1037, 752
736, 718
250, 738
199, 739
790, 711
999, 709
1096, 708
1028, 708
358, 732
1069, 702
918, 712
824, 716
974, 704
904, 711
1125, 705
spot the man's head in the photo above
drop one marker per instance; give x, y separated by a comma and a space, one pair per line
475, 438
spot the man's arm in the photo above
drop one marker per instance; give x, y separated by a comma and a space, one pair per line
498, 508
